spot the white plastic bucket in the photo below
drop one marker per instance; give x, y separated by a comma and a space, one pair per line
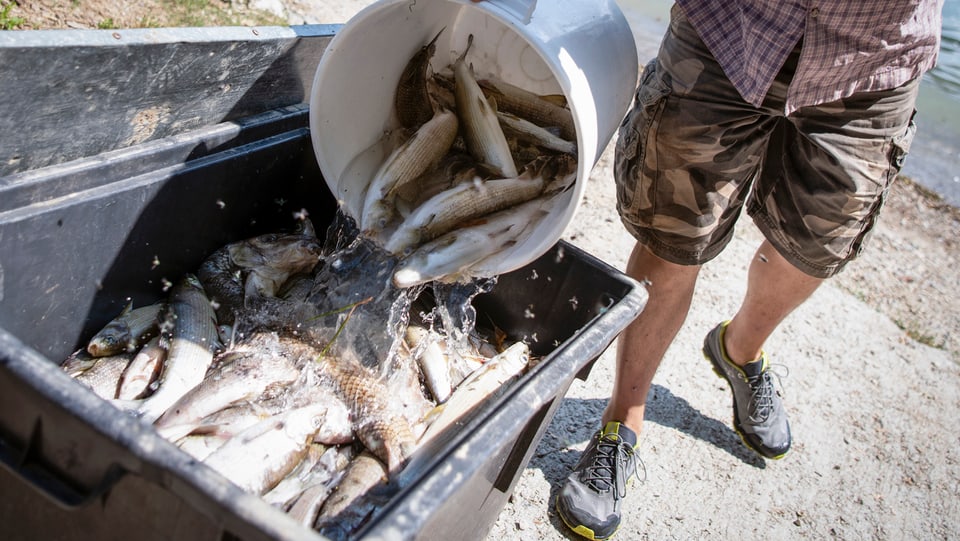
583, 49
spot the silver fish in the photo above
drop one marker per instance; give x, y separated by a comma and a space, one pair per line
427, 147
190, 337
480, 386
244, 373
259, 457
201, 446
544, 111
142, 371
291, 486
78, 362
481, 129
529, 132
443, 212
104, 376
348, 507
127, 331
432, 360
319, 483
451, 256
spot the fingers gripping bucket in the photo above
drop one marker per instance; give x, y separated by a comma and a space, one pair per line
582, 49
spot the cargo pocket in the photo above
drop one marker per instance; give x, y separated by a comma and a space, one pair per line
634, 135
901, 147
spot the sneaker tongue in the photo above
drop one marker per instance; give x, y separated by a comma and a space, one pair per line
621, 432
754, 368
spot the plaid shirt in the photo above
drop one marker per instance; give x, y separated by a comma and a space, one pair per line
849, 46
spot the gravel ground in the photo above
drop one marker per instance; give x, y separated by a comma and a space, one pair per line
871, 378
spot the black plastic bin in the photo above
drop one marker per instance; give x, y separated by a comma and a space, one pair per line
78, 239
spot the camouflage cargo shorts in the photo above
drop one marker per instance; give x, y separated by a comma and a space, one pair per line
691, 152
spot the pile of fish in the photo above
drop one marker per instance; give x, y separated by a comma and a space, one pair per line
236, 367
265, 364
468, 180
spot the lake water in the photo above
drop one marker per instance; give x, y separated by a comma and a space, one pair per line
935, 155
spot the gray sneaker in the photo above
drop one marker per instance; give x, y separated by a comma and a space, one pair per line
758, 413
589, 503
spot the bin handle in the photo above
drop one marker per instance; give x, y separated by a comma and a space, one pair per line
52, 484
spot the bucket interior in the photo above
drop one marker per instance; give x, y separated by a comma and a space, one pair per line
365, 61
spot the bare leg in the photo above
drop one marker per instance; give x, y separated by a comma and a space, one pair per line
774, 289
642, 344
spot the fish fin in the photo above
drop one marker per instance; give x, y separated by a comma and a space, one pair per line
556, 99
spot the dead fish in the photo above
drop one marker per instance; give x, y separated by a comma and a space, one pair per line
244, 373
432, 361
409, 398
349, 506
142, 371
484, 383
427, 147
319, 483
259, 457
127, 331
413, 103
201, 446
243, 271
451, 256
190, 338
454, 168
375, 424
481, 129
77, 363
104, 376
529, 132
544, 111
443, 212
291, 486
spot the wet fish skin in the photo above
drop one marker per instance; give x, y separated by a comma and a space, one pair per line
432, 361
256, 267
532, 133
78, 362
485, 382
126, 332
481, 129
259, 457
451, 256
103, 377
443, 212
411, 159
524, 104
413, 104
291, 486
349, 506
319, 483
190, 340
142, 370
244, 373
385, 433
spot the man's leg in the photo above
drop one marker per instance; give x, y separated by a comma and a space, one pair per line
774, 289
642, 344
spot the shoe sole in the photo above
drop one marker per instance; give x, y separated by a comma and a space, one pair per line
581, 530
721, 373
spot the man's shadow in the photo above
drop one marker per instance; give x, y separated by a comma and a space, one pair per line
664, 408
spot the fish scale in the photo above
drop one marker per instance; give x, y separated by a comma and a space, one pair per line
382, 431
190, 346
